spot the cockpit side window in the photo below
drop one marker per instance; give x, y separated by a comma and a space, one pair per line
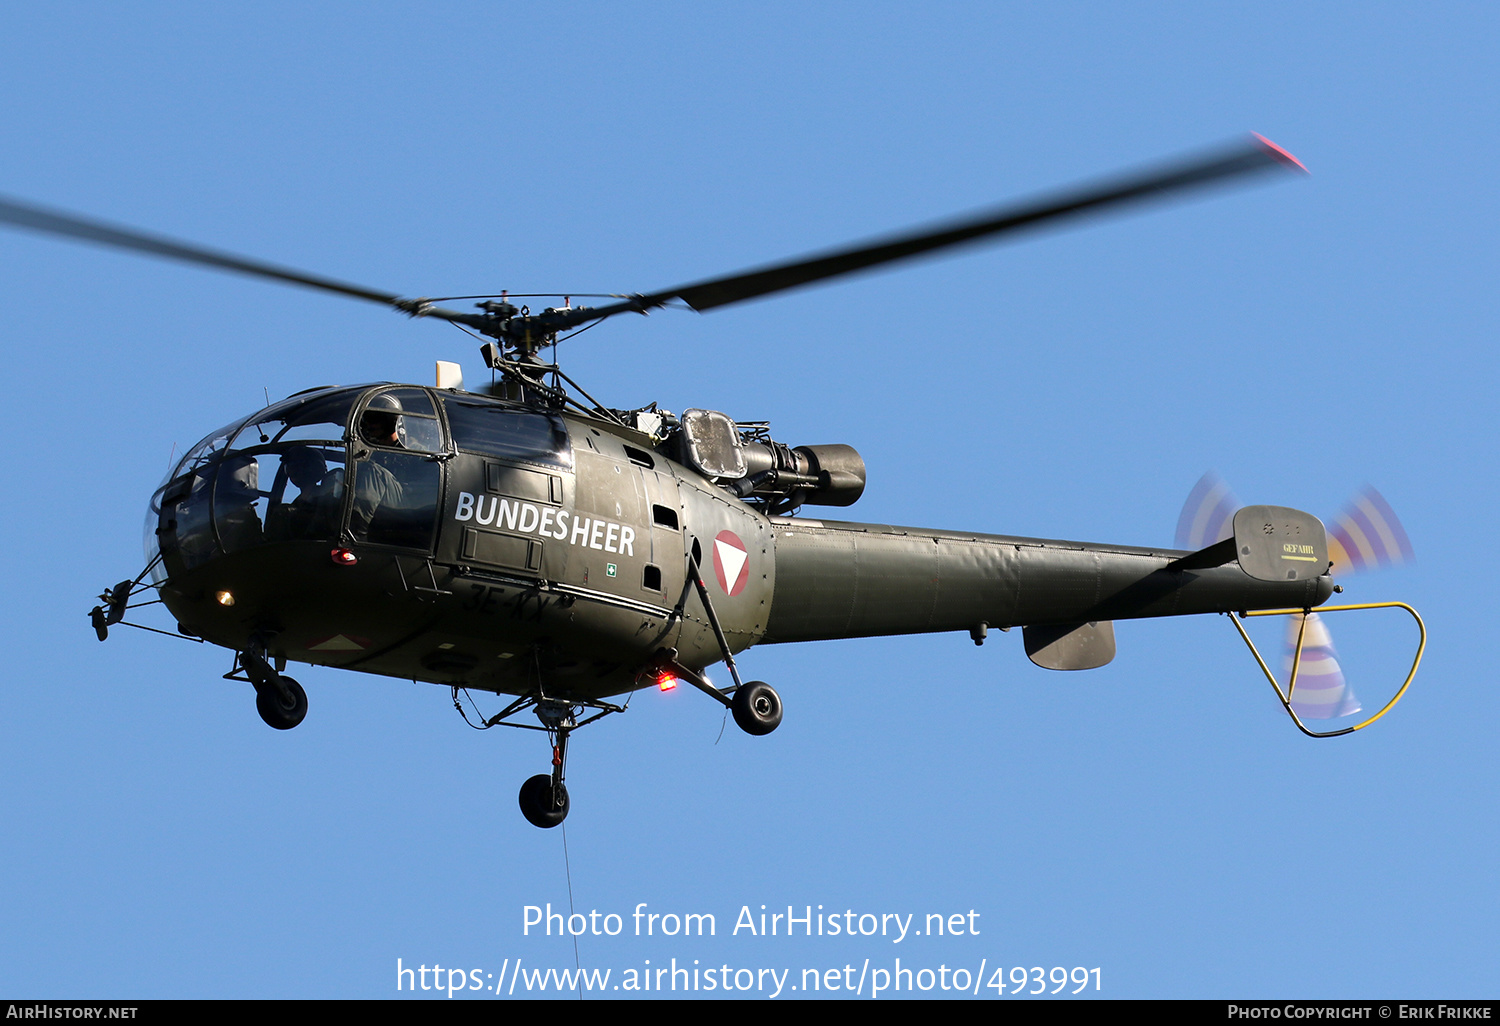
184, 527
496, 429
237, 495
401, 418
275, 476
306, 495
282, 477
395, 500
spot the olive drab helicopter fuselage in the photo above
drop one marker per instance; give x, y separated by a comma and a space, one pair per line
522, 549
521, 542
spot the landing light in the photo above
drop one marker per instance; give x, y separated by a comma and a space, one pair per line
224, 598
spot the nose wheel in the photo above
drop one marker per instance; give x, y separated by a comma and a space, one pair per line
282, 704
279, 699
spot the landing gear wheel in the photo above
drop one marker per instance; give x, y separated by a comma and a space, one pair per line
757, 708
537, 803
276, 710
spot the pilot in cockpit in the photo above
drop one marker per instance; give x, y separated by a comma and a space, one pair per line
380, 424
375, 487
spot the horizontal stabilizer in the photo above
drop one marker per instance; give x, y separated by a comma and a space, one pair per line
1071, 646
1276, 543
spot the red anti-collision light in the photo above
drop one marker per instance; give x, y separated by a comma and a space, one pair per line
343, 557
666, 680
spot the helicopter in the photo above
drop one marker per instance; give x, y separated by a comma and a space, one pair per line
527, 540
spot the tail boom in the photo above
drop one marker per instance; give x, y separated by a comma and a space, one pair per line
847, 580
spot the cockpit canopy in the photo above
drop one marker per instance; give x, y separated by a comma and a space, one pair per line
349, 465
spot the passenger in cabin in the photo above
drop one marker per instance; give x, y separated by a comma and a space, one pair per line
314, 513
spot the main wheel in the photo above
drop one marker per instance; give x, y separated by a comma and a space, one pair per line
538, 804
277, 711
757, 708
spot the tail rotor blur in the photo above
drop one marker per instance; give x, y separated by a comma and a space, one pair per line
1320, 691
1366, 535
1208, 515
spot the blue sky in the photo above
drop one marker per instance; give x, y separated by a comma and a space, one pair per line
1159, 818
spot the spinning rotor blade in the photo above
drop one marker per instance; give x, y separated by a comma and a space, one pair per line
71, 226
1259, 155
1321, 692
528, 331
1207, 515
1367, 535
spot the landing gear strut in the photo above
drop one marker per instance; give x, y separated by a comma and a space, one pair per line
279, 699
544, 797
756, 705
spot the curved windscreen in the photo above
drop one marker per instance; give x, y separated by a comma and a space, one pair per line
275, 476
343, 465
321, 416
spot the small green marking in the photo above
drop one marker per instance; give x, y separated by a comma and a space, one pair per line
609, 569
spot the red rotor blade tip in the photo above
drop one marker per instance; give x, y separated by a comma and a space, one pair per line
1281, 154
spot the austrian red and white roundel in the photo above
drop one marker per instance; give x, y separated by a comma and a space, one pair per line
731, 562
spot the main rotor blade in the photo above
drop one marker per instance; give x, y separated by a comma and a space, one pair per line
70, 225
1259, 155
